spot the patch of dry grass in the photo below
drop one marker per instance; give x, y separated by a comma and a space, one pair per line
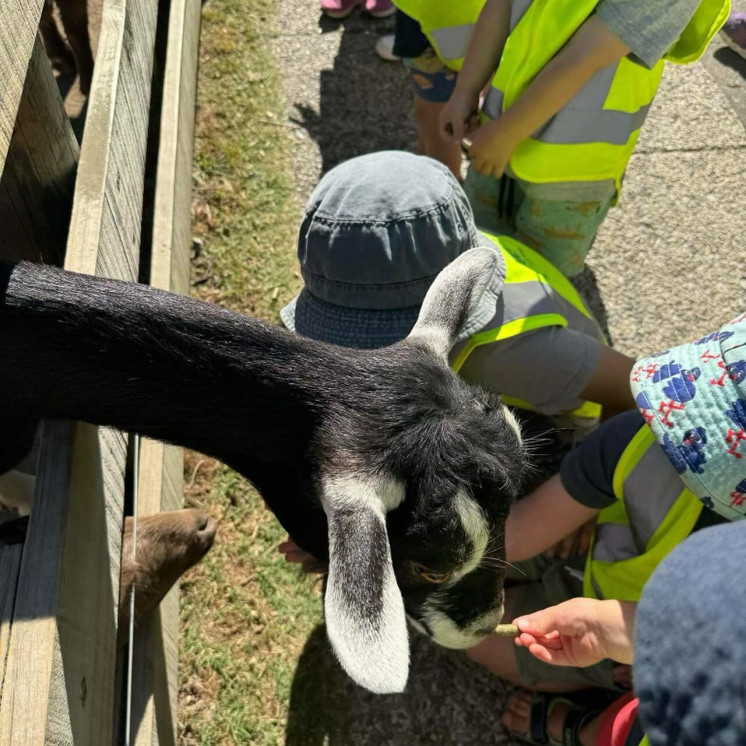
245, 614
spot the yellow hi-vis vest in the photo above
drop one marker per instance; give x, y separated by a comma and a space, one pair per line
593, 136
447, 24
535, 295
654, 513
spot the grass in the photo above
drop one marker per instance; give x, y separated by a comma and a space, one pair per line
245, 614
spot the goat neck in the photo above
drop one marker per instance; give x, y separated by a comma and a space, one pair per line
160, 364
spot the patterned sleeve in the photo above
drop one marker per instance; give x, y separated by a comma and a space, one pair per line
587, 472
649, 29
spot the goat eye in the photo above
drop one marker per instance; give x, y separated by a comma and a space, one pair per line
430, 576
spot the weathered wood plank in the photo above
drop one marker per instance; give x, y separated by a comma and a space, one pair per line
36, 189
155, 684
61, 658
20, 21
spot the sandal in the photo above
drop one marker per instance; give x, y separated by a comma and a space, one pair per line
578, 716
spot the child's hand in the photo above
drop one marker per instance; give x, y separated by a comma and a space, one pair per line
459, 116
293, 553
490, 149
579, 632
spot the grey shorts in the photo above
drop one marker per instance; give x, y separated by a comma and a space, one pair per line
549, 582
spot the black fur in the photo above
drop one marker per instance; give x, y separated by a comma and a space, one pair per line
281, 410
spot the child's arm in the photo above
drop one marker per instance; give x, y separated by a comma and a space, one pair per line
580, 632
591, 48
609, 385
480, 62
541, 519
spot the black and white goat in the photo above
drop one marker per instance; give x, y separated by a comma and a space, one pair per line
381, 461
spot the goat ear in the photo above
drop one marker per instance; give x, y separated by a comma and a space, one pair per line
461, 300
363, 606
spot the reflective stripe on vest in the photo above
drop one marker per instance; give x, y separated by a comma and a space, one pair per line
655, 512
593, 136
446, 24
535, 295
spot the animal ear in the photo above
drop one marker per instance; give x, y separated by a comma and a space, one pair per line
363, 606
461, 300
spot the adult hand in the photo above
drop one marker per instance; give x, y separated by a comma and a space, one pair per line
579, 632
293, 553
459, 116
490, 148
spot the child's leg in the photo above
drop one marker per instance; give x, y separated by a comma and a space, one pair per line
432, 84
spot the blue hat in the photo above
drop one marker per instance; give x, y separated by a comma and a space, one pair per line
376, 232
690, 661
693, 397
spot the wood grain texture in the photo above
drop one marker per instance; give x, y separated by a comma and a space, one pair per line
20, 21
36, 188
61, 658
155, 684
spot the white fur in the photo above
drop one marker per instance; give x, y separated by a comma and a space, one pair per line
374, 652
446, 633
476, 528
513, 422
380, 493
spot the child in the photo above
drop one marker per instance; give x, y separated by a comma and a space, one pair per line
432, 82
570, 83
378, 229
648, 481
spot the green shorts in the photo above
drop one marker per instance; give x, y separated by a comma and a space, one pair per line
558, 221
548, 582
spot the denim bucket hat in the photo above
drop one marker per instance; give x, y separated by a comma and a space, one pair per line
375, 233
693, 397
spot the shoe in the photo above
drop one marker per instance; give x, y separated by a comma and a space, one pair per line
734, 33
338, 8
385, 48
380, 8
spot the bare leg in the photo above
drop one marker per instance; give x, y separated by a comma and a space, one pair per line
429, 141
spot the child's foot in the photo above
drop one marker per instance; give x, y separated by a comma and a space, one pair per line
734, 33
385, 48
550, 719
167, 545
380, 8
338, 8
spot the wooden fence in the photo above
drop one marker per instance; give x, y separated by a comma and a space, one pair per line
124, 194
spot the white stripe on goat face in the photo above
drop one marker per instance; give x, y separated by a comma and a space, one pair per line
441, 627
475, 526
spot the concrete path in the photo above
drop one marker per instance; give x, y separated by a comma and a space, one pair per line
670, 264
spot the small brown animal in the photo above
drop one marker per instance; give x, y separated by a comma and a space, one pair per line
167, 545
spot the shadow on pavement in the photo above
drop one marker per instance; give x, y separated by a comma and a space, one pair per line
449, 700
729, 58
365, 103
